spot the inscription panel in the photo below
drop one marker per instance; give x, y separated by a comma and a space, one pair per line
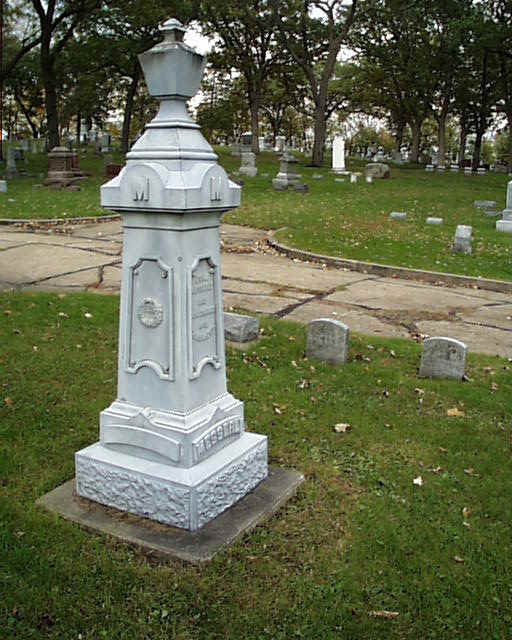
212, 439
150, 337
203, 316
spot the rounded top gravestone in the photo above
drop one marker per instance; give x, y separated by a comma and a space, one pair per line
443, 358
327, 340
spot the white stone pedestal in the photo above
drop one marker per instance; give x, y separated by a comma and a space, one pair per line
172, 445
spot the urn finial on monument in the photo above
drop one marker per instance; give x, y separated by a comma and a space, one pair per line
171, 166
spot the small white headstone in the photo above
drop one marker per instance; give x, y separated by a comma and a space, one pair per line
327, 340
397, 215
505, 226
3, 186
353, 178
443, 358
462, 239
507, 211
338, 155
369, 179
434, 221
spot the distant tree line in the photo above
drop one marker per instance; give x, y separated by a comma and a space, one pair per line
435, 71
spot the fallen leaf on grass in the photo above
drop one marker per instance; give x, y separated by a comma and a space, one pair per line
389, 615
8, 402
342, 427
471, 472
454, 413
458, 559
7, 312
418, 481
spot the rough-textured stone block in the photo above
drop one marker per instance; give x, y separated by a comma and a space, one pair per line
443, 358
327, 340
239, 328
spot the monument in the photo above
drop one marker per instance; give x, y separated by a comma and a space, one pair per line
327, 340
338, 156
173, 445
248, 164
287, 176
505, 224
462, 239
443, 358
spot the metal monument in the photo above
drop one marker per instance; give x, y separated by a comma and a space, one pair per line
173, 445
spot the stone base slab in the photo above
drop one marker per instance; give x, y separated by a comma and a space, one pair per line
504, 226
185, 498
166, 542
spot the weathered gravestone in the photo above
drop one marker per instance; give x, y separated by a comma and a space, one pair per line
3, 186
485, 204
173, 445
398, 215
462, 239
239, 328
377, 170
443, 358
60, 167
10, 169
248, 166
327, 340
287, 175
434, 221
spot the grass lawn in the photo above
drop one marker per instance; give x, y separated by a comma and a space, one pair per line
336, 219
360, 536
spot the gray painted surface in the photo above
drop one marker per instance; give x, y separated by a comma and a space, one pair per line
173, 420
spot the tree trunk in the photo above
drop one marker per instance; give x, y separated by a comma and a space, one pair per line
415, 147
478, 149
320, 129
462, 145
50, 89
255, 124
128, 109
441, 139
78, 129
509, 159
400, 127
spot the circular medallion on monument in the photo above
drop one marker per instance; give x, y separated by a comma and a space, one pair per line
150, 313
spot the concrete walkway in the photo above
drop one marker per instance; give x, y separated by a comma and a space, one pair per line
257, 279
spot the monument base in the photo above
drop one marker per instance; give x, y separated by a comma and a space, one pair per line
166, 542
185, 498
504, 225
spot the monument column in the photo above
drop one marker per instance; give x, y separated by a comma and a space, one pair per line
173, 445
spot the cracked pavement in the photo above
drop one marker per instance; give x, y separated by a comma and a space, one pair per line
258, 280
